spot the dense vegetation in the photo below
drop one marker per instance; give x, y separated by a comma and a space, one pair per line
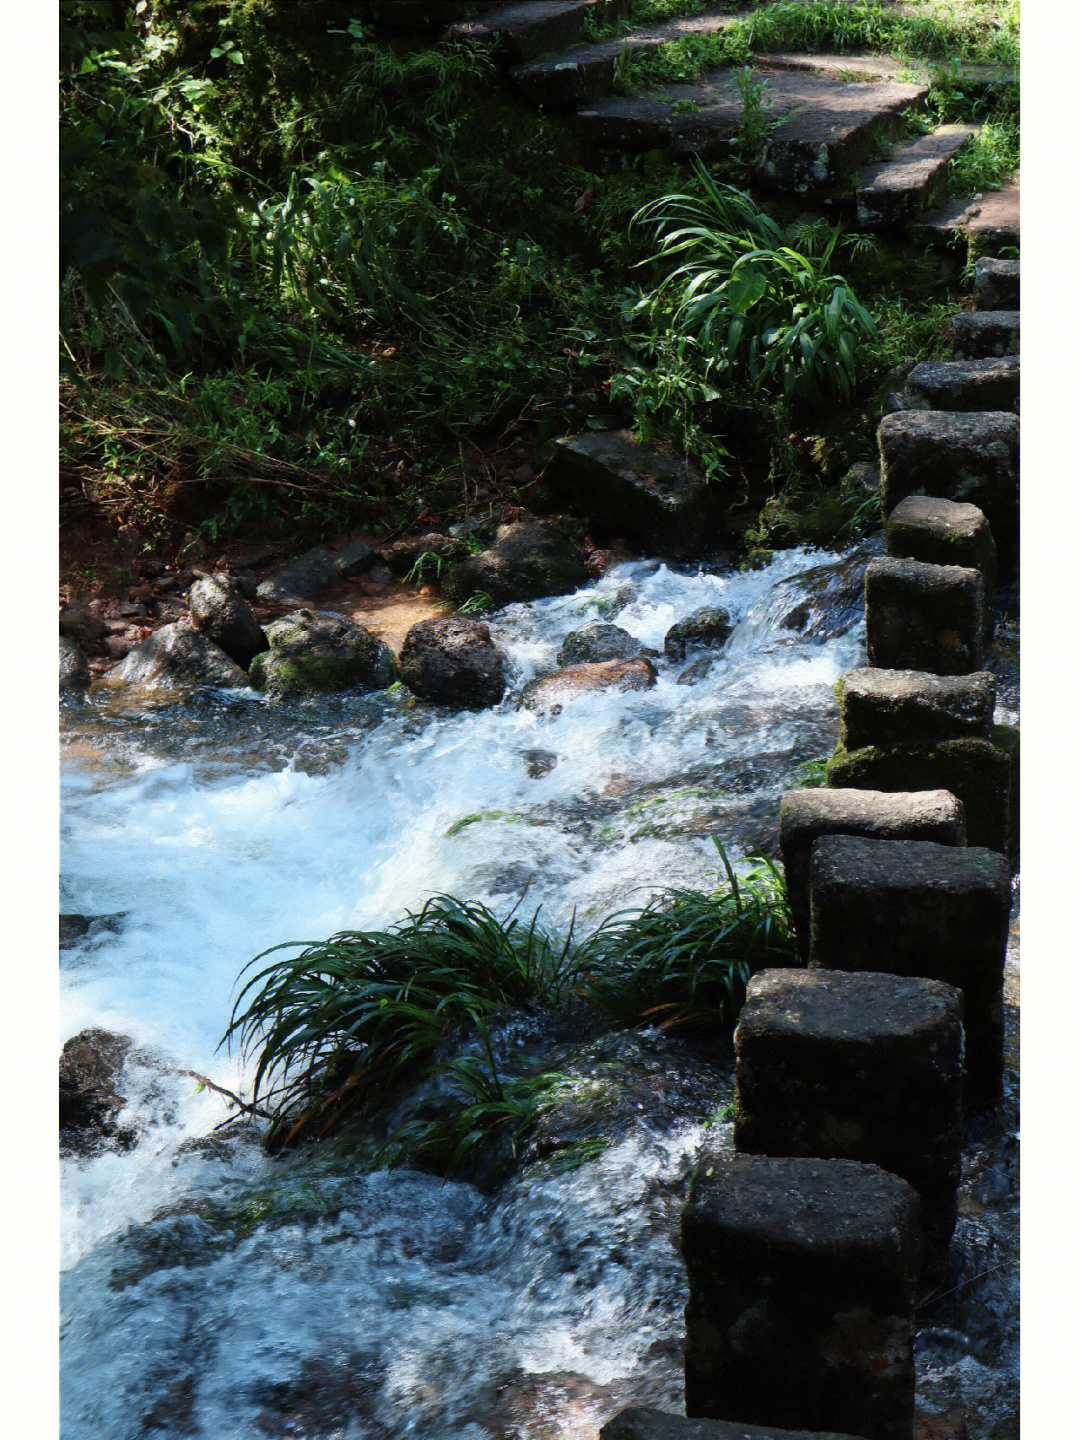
314, 279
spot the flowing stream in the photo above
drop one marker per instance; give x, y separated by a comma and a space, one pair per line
209, 1291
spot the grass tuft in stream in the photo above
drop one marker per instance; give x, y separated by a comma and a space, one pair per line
344, 1028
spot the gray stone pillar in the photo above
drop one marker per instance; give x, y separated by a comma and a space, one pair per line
925, 617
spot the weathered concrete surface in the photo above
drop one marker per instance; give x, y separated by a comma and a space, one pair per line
645, 493
891, 192
971, 456
988, 384
641, 1424
802, 1276
979, 334
997, 284
857, 1066
992, 219
530, 28
915, 908
898, 707
946, 532
925, 617
983, 774
806, 815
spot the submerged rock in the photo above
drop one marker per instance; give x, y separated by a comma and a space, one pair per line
175, 658
551, 692
90, 1101
222, 614
313, 655
528, 560
453, 661
709, 626
599, 640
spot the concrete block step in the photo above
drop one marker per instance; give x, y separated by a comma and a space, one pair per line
997, 284
986, 384
576, 77
993, 219
978, 79
415, 15
531, 28
889, 193
981, 334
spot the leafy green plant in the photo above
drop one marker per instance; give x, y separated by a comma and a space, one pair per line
476, 604
754, 123
752, 303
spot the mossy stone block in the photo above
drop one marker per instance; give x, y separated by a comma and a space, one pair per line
945, 532
925, 617
902, 707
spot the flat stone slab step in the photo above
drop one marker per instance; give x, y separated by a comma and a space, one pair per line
997, 284
977, 78
642, 1424
585, 73
824, 126
530, 28
897, 707
985, 384
977, 334
891, 192
993, 219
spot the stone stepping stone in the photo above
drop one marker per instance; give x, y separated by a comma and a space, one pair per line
892, 192
916, 908
825, 126
894, 707
981, 333
531, 28
806, 815
585, 73
982, 772
978, 79
802, 1277
993, 219
992, 383
945, 532
639, 1423
636, 492
925, 617
962, 455
997, 284
857, 1066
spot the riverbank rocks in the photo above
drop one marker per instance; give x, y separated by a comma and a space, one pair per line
925, 617
959, 455
597, 641
997, 284
311, 655
83, 623
222, 614
176, 658
403, 555
983, 774
527, 560
90, 1101
453, 661
977, 333
988, 384
802, 1277
708, 628
945, 532
551, 692
301, 579
806, 815
915, 908
857, 1066
645, 493
642, 1424
74, 667
897, 707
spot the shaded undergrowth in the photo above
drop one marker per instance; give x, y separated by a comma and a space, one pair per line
346, 1028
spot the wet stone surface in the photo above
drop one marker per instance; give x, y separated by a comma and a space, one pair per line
925, 617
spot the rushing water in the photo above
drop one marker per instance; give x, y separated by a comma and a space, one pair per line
211, 1292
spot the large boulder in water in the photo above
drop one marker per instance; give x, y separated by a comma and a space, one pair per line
313, 655
175, 658
527, 560
90, 1101
646, 493
551, 692
453, 661
708, 628
599, 640
74, 670
221, 612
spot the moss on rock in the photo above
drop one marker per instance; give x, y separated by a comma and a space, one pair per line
314, 656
